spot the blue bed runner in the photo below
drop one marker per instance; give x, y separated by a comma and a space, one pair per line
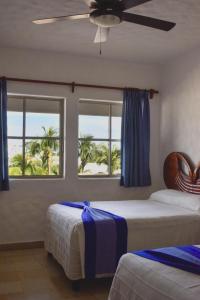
186, 258
105, 239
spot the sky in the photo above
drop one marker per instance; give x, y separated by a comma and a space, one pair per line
98, 127
34, 123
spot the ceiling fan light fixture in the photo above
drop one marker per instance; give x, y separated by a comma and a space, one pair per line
105, 19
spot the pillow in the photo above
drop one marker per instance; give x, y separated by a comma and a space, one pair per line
178, 198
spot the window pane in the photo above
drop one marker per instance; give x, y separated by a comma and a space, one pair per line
116, 121
42, 118
115, 158
42, 157
15, 157
94, 120
93, 158
15, 117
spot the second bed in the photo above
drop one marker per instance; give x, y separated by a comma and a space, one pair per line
138, 278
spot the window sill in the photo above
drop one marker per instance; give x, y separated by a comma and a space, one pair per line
35, 178
98, 177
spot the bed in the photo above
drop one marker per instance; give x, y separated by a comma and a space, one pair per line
138, 278
167, 218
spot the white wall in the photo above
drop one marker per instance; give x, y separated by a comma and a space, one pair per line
23, 208
180, 110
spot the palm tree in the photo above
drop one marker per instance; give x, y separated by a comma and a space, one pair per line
17, 161
45, 149
86, 151
102, 155
38, 157
26, 165
49, 146
115, 159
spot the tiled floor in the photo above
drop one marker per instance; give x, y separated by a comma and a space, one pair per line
32, 275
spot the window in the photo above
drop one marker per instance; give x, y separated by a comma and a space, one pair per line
99, 138
35, 137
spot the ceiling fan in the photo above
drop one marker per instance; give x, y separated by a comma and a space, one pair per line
108, 13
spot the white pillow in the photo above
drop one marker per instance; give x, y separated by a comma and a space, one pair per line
177, 198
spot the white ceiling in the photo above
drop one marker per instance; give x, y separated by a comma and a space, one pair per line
126, 42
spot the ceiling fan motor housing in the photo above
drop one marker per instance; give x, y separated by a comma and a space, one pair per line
106, 18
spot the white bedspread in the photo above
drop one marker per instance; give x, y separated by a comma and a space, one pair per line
138, 278
150, 223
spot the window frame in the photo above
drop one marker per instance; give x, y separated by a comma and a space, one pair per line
109, 140
23, 138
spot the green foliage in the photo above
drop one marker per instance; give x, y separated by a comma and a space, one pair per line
103, 156
44, 150
15, 171
17, 165
39, 157
115, 160
89, 152
17, 161
86, 152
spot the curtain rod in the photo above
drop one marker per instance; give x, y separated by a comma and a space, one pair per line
74, 84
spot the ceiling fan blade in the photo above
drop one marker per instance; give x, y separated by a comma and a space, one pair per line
148, 21
62, 18
102, 34
132, 3
90, 3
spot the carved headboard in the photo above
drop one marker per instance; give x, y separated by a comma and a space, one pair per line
180, 173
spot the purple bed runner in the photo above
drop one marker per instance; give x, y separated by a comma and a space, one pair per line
105, 239
186, 258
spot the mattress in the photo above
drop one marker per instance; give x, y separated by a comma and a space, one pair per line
138, 278
151, 224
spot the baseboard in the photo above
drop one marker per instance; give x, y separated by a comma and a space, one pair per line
22, 246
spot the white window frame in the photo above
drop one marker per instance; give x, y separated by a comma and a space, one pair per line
23, 138
109, 140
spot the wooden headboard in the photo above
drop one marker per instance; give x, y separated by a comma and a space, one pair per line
181, 174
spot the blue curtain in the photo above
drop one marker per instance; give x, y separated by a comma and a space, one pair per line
135, 140
4, 181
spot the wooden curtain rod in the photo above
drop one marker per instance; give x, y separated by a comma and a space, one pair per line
74, 84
